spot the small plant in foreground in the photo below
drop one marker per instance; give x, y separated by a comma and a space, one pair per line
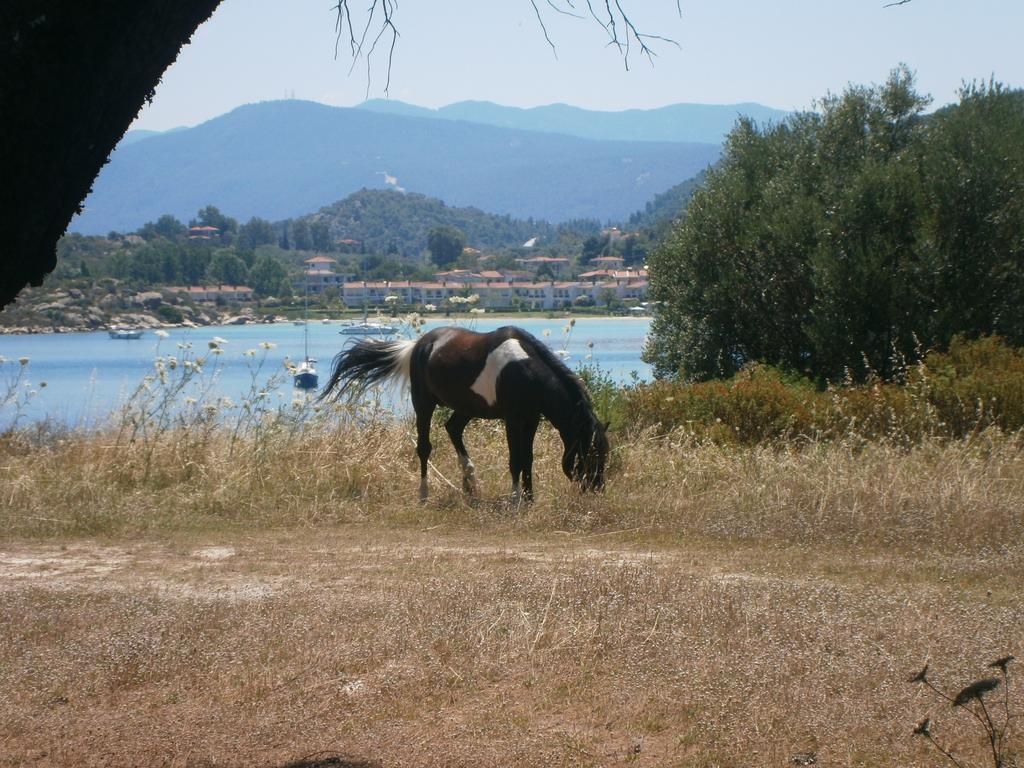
971, 700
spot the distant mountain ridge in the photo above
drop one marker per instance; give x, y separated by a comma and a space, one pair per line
285, 159
701, 123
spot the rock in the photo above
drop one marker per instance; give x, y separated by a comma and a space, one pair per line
147, 299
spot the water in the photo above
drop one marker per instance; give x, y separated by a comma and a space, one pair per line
79, 379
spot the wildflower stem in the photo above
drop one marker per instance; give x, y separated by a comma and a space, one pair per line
948, 753
1006, 707
993, 737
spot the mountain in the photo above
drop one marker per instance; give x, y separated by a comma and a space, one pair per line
138, 134
701, 123
283, 159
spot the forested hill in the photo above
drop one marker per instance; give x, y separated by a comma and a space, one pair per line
386, 220
279, 160
667, 206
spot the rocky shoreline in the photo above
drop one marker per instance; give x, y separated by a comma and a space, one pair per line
139, 320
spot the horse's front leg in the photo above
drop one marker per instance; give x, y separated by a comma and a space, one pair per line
513, 433
529, 431
455, 426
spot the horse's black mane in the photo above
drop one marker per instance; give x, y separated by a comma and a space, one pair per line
571, 381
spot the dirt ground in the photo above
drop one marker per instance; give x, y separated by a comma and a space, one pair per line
362, 645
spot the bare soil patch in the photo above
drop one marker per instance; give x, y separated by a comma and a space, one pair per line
365, 646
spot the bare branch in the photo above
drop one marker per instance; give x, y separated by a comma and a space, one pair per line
540, 20
343, 21
614, 19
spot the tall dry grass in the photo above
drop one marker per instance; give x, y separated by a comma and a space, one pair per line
939, 494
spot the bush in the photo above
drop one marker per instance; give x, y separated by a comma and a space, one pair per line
975, 385
169, 314
757, 405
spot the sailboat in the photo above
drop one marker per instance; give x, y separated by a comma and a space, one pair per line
305, 376
367, 327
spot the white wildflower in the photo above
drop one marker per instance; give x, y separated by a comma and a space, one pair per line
477, 310
267, 344
160, 333
430, 307
23, 360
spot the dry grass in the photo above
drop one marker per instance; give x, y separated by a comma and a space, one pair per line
189, 599
940, 495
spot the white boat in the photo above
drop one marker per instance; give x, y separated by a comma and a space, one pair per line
366, 328
125, 333
304, 376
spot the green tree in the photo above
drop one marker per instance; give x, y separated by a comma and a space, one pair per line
226, 268
445, 245
847, 240
320, 235
210, 216
301, 237
266, 275
256, 232
167, 226
973, 233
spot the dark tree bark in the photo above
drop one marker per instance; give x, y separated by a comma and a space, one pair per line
73, 76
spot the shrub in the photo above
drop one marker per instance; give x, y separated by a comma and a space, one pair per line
757, 405
976, 384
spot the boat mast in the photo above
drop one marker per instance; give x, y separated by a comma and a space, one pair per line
305, 318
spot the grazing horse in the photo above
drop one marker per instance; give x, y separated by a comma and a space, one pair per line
506, 374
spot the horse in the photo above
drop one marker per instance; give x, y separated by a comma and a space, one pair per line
506, 374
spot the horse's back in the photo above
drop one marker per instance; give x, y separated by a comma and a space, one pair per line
466, 370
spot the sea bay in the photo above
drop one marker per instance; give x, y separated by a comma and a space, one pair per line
79, 379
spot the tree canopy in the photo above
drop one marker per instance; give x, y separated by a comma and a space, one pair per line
841, 242
445, 245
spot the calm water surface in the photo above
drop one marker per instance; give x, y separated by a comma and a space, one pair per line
88, 375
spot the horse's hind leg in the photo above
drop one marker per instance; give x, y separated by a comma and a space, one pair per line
455, 426
424, 413
514, 434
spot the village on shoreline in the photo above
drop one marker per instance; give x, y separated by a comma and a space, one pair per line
329, 295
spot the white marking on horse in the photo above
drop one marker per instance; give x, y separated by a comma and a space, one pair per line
486, 384
469, 483
442, 338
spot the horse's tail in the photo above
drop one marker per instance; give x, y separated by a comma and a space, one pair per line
368, 362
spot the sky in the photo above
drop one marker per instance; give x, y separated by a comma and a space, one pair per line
780, 53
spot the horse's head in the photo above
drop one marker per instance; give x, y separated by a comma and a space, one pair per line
586, 454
